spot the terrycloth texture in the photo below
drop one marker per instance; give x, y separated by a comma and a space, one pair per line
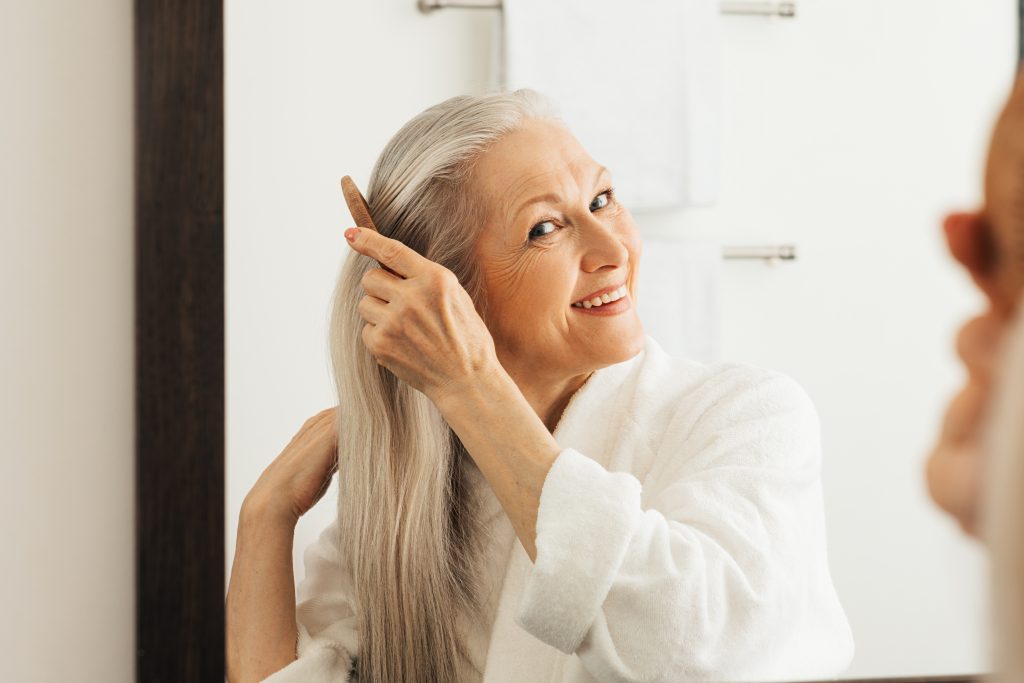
637, 82
680, 536
563, 594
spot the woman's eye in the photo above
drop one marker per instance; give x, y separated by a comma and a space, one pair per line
534, 234
601, 200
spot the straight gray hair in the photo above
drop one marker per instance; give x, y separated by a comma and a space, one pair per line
410, 533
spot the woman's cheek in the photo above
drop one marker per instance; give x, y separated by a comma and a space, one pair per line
508, 274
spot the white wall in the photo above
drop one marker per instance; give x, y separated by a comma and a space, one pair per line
848, 131
66, 341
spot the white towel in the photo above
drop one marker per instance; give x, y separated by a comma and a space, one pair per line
678, 296
637, 82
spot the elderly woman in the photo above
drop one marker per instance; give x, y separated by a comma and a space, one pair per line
531, 489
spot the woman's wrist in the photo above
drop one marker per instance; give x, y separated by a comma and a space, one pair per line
457, 399
260, 605
265, 512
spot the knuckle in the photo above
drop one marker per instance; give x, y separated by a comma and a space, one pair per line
443, 279
390, 251
967, 342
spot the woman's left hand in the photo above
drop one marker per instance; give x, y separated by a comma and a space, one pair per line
421, 323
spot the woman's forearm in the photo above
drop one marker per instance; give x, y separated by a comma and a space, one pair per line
261, 630
510, 444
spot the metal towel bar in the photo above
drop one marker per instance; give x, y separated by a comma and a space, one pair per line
772, 254
782, 252
776, 9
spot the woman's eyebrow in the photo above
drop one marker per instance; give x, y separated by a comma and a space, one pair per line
554, 198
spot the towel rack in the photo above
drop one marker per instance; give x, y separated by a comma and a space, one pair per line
779, 9
782, 252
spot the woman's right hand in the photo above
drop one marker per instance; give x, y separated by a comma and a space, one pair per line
955, 465
298, 478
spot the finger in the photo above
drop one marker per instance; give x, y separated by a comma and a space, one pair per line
952, 475
325, 413
964, 413
313, 427
373, 310
388, 252
977, 344
964, 235
325, 416
310, 423
969, 237
369, 341
383, 285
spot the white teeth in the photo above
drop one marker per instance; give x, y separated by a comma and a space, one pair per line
606, 298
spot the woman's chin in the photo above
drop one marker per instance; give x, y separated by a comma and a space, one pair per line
636, 342
618, 345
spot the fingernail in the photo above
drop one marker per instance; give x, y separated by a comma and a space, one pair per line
351, 233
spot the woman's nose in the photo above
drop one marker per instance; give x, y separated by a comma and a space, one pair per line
603, 243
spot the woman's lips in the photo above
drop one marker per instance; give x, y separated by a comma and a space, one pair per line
606, 290
613, 308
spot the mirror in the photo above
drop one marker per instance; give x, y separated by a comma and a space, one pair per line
839, 136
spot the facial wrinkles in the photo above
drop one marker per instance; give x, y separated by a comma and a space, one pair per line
528, 287
518, 256
508, 271
515, 262
521, 191
526, 284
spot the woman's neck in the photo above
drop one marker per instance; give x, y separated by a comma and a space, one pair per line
549, 396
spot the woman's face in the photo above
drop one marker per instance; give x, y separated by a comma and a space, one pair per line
555, 234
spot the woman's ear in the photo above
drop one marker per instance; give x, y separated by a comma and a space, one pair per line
971, 241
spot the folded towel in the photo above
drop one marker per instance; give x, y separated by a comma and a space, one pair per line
637, 83
678, 296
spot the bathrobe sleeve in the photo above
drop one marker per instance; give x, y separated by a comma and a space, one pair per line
713, 568
326, 622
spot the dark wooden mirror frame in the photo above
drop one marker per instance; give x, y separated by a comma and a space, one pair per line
179, 337
179, 356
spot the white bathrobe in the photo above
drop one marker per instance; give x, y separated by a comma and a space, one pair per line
680, 536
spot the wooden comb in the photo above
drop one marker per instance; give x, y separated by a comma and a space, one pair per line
356, 204
359, 209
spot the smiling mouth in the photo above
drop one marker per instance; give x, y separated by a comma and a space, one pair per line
606, 298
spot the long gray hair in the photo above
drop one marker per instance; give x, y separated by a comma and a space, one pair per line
410, 535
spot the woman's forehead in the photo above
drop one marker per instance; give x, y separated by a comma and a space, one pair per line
535, 147
537, 158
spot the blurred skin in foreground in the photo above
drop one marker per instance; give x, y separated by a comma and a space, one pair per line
989, 243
